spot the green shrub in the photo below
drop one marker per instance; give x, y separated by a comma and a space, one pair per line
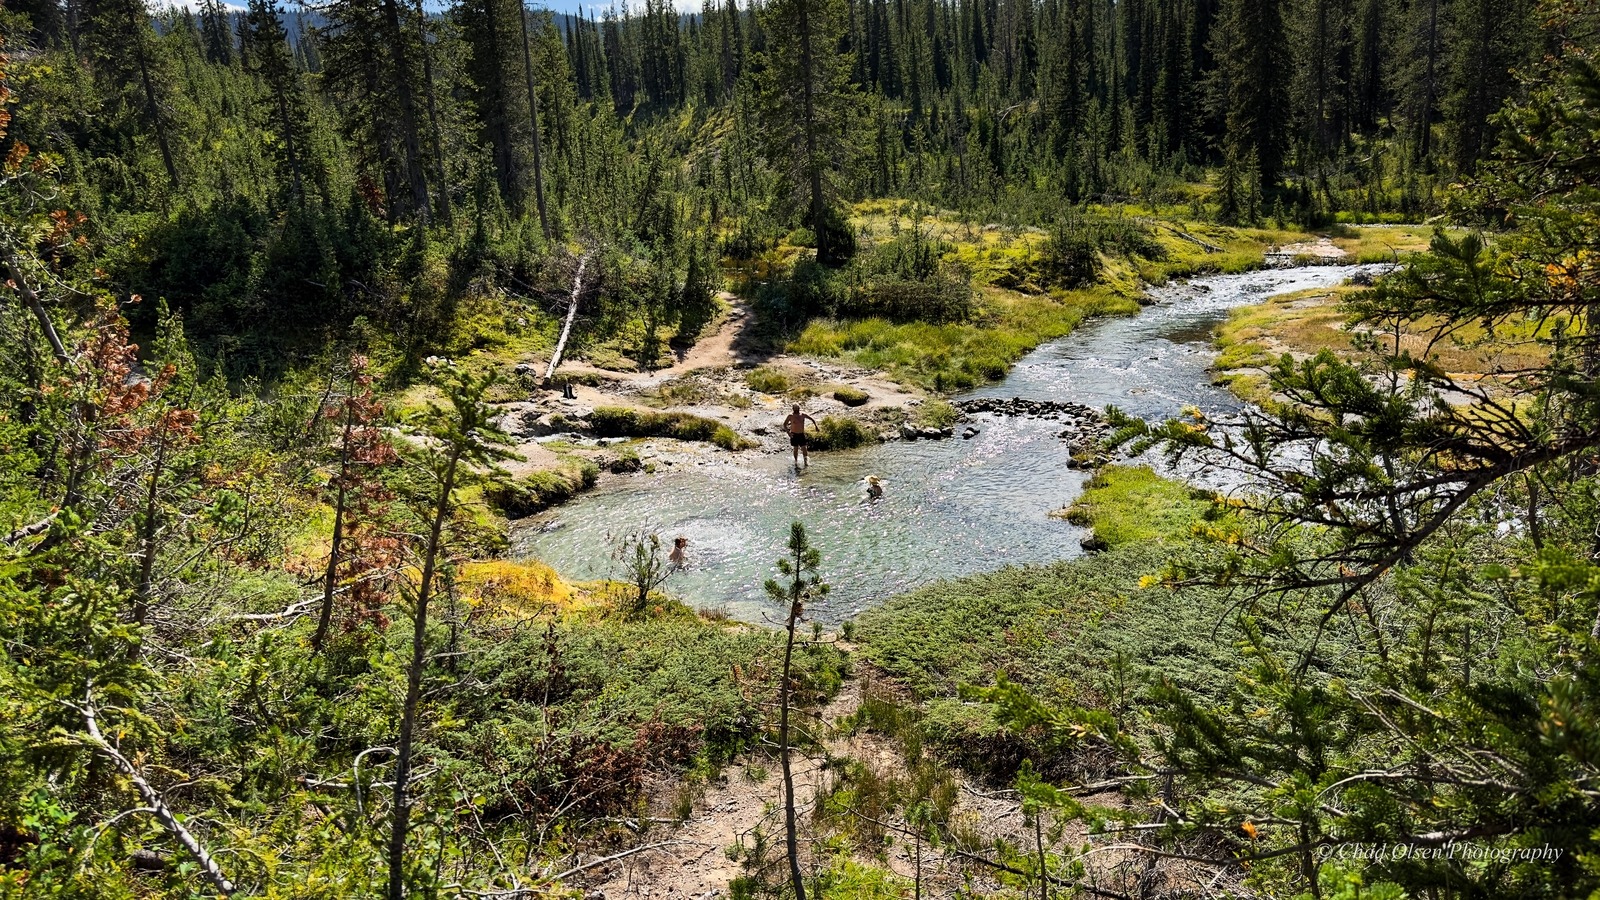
937, 414
767, 381
616, 421
1134, 505
851, 396
835, 433
538, 491
728, 439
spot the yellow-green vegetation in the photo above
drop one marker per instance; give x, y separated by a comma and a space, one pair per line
1386, 243
959, 355
516, 588
936, 414
620, 421
528, 494
850, 396
1134, 505
767, 380
1023, 299
1305, 323
836, 433
847, 879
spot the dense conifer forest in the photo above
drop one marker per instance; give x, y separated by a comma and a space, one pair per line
304, 307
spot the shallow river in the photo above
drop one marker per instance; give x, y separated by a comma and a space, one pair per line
951, 507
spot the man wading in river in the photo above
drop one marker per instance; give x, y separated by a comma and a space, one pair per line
795, 425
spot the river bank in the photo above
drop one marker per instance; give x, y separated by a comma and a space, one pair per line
952, 507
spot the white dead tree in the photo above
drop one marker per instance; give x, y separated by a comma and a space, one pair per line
572, 314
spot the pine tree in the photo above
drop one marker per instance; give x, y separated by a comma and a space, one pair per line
274, 65
808, 112
1249, 89
132, 73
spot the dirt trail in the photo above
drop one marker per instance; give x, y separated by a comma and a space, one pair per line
732, 344
697, 863
746, 797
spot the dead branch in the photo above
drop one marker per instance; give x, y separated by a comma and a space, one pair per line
616, 856
156, 803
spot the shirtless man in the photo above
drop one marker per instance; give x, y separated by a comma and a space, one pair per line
795, 425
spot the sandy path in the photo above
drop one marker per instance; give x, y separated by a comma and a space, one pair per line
732, 344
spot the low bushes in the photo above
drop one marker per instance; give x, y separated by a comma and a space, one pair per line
676, 691
851, 396
617, 421
767, 381
834, 433
538, 491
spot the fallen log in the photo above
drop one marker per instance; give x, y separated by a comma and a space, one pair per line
572, 314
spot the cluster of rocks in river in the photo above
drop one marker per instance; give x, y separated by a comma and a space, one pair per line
1084, 433
1085, 428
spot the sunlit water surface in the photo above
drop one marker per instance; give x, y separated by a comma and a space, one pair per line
951, 507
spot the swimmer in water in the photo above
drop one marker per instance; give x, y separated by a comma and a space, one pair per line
678, 557
874, 488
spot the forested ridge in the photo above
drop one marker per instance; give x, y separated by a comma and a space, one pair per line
279, 288
384, 165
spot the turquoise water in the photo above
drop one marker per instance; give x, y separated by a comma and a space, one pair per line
951, 507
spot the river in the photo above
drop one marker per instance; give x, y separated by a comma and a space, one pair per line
951, 507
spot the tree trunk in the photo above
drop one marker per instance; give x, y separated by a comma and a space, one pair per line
156, 120
419, 658
288, 140
331, 575
813, 164
566, 328
433, 117
533, 117
411, 146
791, 831
157, 806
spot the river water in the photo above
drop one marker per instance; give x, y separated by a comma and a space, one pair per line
951, 507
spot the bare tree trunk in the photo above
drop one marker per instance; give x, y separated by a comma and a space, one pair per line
419, 659
330, 577
31, 297
791, 831
533, 116
566, 328
408, 110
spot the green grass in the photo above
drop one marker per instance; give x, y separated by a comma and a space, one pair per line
957, 356
537, 491
1134, 505
1089, 631
851, 396
618, 421
834, 433
767, 381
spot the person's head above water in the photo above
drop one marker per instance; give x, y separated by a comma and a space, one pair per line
680, 541
797, 407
